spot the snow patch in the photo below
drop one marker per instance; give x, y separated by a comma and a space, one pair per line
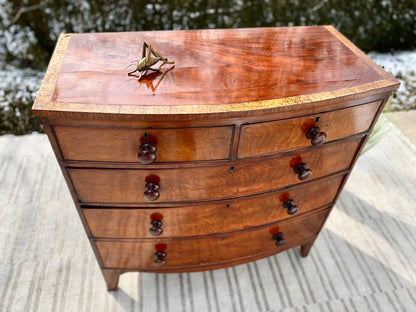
402, 65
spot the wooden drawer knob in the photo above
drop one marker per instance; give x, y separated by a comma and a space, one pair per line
147, 153
316, 136
303, 172
156, 228
151, 191
160, 259
290, 206
280, 241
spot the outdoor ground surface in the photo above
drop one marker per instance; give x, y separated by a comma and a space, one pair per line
363, 260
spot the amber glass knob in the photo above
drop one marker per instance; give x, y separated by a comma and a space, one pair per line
156, 228
290, 206
160, 259
280, 241
151, 191
302, 171
147, 153
316, 136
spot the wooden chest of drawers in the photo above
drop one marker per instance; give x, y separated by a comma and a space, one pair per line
236, 152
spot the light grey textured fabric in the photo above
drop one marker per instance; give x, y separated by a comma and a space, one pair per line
364, 259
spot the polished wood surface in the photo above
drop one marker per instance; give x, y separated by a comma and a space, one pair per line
209, 250
293, 59
215, 71
303, 171
208, 218
147, 153
151, 191
205, 183
316, 136
235, 153
291, 206
267, 137
122, 145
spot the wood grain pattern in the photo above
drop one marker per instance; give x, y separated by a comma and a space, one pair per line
201, 253
294, 60
122, 145
205, 219
283, 66
220, 135
205, 183
281, 135
111, 278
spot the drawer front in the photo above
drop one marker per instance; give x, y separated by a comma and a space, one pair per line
108, 186
123, 145
204, 219
277, 136
207, 251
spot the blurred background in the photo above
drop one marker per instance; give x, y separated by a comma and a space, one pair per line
386, 29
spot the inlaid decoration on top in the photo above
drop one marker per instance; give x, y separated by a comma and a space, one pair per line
236, 152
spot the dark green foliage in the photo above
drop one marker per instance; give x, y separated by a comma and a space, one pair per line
17, 117
372, 25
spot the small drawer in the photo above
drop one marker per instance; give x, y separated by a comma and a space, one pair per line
205, 219
144, 146
204, 252
282, 135
195, 183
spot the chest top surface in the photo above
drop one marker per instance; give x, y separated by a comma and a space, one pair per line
215, 71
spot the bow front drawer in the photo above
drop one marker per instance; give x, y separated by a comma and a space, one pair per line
235, 153
213, 217
164, 184
209, 251
144, 146
281, 135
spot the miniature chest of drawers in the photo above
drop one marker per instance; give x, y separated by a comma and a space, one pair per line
236, 152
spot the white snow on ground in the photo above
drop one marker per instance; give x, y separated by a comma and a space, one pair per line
402, 65
402, 61
18, 84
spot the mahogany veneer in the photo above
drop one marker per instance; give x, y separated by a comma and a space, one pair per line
236, 152
120, 145
212, 217
209, 183
206, 251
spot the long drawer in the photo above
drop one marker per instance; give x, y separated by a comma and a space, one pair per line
205, 219
123, 144
277, 136
211, 250
209, 182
